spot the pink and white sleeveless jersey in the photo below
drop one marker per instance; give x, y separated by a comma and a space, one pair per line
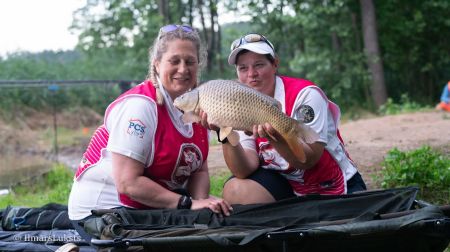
174, 156
334, 168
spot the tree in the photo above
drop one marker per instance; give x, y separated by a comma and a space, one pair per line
129, 27
413, 37
372, 51
321, 40
315, 40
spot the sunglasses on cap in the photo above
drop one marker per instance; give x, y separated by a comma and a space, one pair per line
250, 38
174, 27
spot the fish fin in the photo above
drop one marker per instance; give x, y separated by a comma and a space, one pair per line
189, 117
233, 138
278, 104
224, 132
230, 134
272, 137
273, 102
296, 137
295, 145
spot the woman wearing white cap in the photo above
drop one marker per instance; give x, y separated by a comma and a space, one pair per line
264, 169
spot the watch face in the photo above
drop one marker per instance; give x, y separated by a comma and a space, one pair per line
185, 202
305, 114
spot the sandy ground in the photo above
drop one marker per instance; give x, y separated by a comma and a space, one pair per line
368, 140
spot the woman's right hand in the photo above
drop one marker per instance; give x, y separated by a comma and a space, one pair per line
204, 121
215, 204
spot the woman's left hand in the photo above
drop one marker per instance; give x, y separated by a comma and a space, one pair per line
266, 130
215, 204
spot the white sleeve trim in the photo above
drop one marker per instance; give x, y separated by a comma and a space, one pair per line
132, 124
312, 97
247, 142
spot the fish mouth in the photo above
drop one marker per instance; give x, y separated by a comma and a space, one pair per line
182, 111
175, 105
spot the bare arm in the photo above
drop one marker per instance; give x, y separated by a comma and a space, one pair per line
241, 162
129, 178
198, 184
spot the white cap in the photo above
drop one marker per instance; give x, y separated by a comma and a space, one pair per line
259, 47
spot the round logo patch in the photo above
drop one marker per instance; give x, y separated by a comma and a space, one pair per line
305, 114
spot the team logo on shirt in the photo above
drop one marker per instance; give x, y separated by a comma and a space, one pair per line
305, 114
189, 160
136, 128
270, 158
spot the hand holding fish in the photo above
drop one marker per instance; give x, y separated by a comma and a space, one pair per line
266, 131
233, 106
312, 150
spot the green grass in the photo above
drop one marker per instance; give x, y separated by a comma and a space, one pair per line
55, 187
425, 168
213, 138
217, 183
52, 187
65, 136
404, 106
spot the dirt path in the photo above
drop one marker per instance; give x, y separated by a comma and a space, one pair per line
369, 140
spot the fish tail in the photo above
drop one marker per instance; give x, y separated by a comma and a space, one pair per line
295, 138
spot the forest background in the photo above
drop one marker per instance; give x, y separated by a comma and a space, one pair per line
360, 52
368, 56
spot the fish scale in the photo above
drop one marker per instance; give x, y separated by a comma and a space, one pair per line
232, 104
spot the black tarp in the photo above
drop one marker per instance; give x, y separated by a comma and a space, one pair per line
371, 221
384, 220
43, 229
49, 216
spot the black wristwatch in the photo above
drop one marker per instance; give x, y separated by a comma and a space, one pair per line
184, 202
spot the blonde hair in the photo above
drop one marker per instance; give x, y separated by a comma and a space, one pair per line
159, 47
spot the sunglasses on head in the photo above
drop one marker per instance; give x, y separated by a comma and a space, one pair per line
250, 38
173, 27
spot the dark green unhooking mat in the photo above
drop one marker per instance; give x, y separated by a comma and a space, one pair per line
385, 220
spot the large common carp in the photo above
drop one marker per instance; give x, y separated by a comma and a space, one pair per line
233, 106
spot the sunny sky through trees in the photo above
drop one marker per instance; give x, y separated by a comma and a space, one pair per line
28, 25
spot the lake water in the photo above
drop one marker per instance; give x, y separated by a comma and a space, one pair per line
15, 169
